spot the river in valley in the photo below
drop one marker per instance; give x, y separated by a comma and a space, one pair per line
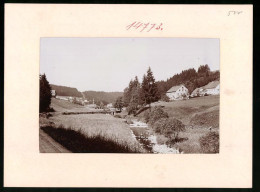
148, 140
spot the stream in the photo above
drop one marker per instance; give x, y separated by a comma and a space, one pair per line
148, 141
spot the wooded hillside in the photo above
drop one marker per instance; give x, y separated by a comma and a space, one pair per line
66, 91
101, 96
191, 78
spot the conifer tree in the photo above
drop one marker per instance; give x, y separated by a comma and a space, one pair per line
45, 93
149, 88
119, 104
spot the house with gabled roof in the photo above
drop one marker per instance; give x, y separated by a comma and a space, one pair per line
177, 92
212, 88
196, 92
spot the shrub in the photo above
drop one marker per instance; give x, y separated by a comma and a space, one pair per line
146, 116
165, 98
117, 116
159, 125
209, 143
156, 114
169, 127
132, 108
172, 127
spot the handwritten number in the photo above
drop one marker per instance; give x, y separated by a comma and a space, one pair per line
135, 25
234, 12
129, 26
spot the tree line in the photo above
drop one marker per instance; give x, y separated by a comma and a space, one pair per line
137, 95
66, 91
191, 78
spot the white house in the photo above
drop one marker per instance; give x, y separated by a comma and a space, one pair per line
211, 88
177, 92
110, 105
53, 93
66, 98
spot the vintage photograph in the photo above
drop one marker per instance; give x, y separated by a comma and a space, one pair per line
129, 95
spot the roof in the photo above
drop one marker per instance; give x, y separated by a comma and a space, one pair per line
195, 91
174, 88
211, 85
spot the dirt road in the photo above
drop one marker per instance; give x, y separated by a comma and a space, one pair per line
48, 145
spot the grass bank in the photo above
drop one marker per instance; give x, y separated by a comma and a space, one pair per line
78, 142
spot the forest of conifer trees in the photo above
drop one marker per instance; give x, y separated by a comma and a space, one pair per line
149, 90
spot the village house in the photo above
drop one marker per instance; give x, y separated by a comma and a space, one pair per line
110, 105
198, 92
211, 88
66, 98
92, 105
178, 92
53, 93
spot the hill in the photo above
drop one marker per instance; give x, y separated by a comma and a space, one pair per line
191, 78
196, 112
200, 115
105, 97
66, 91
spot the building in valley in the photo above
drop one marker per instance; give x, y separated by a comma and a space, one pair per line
110, 105
178, 92
53, 93
211, 88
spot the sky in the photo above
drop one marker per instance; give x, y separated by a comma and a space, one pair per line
108, 64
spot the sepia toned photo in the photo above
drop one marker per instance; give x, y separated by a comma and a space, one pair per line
129, 95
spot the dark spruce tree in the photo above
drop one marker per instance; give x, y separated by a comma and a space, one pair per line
134, 97
149, 89
45, 94
119, 104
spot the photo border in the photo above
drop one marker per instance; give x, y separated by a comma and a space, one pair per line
256, 101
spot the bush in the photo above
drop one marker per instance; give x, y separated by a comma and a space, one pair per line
165, 98
146, 116
159, 125
132, 108
210, 142
156, 114
117, 116
169, 127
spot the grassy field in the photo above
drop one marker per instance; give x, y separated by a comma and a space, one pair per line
199, 111
98, 125
78, 142
66, 106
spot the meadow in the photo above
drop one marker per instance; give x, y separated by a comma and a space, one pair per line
200, 116
196, 112
104, 127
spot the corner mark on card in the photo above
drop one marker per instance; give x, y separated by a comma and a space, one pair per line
234, 13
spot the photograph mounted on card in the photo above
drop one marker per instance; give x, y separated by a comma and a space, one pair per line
128, 96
